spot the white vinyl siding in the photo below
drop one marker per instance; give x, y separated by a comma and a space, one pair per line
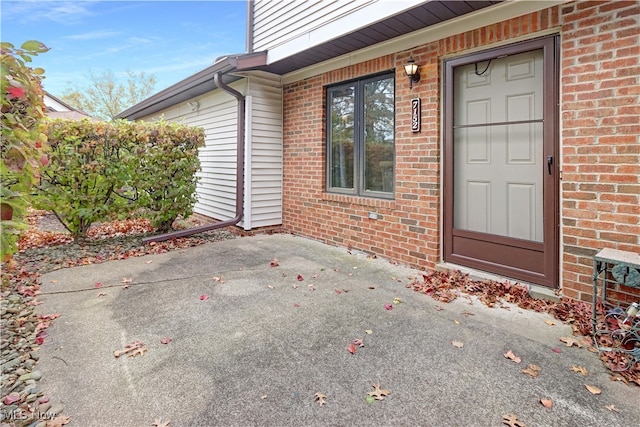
278, 21
216, 112
264, 143
286, 27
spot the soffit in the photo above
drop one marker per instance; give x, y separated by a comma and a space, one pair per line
417, 18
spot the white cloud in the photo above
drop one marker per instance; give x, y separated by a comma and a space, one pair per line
63, 12
93, 35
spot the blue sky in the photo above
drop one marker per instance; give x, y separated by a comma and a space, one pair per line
169, 39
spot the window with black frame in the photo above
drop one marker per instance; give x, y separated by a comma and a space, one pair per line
361, 137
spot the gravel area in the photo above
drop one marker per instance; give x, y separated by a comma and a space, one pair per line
47, 247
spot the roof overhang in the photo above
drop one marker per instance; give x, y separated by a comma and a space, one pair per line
195, 85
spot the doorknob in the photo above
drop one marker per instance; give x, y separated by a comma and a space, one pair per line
549, 163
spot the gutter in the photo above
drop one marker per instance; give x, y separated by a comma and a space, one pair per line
240, 162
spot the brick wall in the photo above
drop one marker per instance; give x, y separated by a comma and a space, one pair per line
599, 145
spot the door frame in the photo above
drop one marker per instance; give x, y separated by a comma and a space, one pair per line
478, 242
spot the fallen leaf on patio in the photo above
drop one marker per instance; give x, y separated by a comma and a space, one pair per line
263, 397
368, 331
126, 280
468, 313
396, 300
132, 348
510, 355
369, 399
570, 341
547, 403
512, 421
274, 262
101, 294
296, 305
593, 389
378, 393
166, 340
457, 344
457, 322
319, 397
388, 306
532, 370
612, 408
315, 276
219, 279
98, 285
58, 421
556, 350
358, 342
592, 349
312, 287
550, 322
270, 287
300, 278
338, 291
159, 423
579, 369
54, 281
204, 297
371, 287
351, 349
138, 351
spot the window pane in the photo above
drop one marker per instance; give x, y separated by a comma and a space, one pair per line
341, 106
379, 135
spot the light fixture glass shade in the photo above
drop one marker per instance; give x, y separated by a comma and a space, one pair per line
411, 68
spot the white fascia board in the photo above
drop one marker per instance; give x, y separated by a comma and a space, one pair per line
355, 20
488, 16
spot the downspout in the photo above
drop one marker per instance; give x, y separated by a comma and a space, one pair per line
217, 78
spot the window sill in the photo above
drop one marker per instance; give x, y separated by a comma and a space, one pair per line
358, 200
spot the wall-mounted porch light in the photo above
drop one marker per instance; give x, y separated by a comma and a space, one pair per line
411, 70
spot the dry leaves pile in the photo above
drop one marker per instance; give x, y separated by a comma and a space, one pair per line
446, 286
46, 246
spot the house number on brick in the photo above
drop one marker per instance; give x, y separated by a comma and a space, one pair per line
415, 115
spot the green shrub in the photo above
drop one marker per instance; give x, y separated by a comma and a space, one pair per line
22, 142
165, 171
99, 170
88, 167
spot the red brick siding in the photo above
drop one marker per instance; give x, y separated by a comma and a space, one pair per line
599, 145
600, 106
